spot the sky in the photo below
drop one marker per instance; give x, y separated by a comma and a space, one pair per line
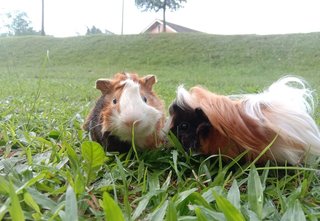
72, 17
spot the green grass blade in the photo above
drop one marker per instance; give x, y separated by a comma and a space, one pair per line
175, 142
125, 186
112, 212
153, 181
264, 175
197, 198
159, 213
212, 214
140, 171
200, 215
207, 195
234, 195
171, 214
141, 206
15, 209
4, 208
31, 202
4, 185
255, 192
72, 155
31, 182
58, 211
71, 208
42, 199
230, 211
294, 212
166, 184
183, 195
133, 143
177, 145
175, 164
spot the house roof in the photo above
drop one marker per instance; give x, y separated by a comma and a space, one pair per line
169, 25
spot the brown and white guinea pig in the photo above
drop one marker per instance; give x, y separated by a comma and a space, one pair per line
126, 101
212, 123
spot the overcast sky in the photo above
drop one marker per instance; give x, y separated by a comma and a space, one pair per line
72, 17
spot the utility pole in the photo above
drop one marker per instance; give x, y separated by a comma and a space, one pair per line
42, 23
122, 17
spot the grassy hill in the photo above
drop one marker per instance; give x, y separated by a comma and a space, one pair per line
46, 171
203, 58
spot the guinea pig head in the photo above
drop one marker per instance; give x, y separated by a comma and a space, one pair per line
133, 108
188, 123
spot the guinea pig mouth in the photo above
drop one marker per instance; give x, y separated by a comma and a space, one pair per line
140, 128
132, 123
188, 143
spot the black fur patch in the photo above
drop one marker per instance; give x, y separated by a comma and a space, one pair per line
109, 142
189, 125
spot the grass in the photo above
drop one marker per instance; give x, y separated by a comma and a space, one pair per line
49, 170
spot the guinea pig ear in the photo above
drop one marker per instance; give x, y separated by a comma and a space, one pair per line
199, 112
149, 81
173, 108
104, 85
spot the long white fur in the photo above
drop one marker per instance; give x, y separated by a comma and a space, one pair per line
134, 110
291, 103
185, 99
290, 93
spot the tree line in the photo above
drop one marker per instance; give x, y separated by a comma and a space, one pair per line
20, 24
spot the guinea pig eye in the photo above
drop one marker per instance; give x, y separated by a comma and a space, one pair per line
184, 126
144, 99
114, 101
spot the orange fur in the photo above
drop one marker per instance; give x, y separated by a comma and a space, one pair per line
234, 131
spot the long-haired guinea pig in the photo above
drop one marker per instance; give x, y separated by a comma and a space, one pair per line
127, 104
279, 118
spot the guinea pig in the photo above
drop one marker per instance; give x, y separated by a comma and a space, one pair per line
279, 119
127, 105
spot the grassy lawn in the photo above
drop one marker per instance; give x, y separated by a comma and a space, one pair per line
49, 170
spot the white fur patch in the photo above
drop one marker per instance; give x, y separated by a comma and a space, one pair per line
133, 110
288, 93
184, 99
291, 104
128, 75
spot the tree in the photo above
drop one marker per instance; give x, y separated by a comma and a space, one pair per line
20, 24
157, 5
93, 31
